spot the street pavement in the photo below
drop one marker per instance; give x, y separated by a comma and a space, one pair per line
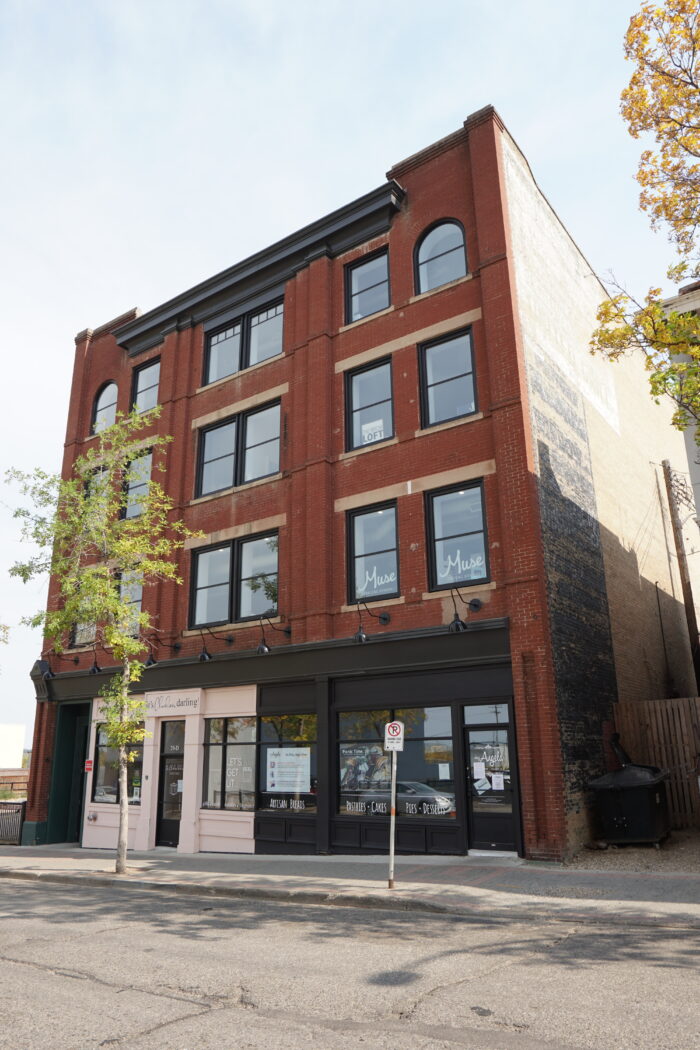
482, 887
86, 967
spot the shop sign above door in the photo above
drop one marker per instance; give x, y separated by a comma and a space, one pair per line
173, 702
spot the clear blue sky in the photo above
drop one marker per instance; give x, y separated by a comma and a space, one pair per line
147, 145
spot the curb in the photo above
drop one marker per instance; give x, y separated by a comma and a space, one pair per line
533, 910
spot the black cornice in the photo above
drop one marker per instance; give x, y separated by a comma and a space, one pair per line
484, 643
332, 235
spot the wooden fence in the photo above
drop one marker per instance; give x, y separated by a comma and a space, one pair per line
666, 733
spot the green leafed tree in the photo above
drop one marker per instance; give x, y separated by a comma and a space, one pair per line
662, 104
103, 534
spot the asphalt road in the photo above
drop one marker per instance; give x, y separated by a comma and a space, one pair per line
82, 968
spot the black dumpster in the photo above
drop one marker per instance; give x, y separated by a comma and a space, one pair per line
631, 802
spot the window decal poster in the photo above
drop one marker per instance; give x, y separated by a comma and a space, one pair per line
289, 769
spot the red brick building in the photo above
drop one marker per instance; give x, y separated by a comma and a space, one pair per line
403, 461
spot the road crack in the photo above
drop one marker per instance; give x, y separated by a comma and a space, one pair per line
407, 1012
116, 986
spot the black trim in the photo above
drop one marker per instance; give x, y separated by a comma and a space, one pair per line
357, 264
483, 646
433, 585
136, 377
128, 489
243, 319
136, 746
350, 545
350, 410
234, 580
423, 348
239, 449
347, 227
419, 244
98, 395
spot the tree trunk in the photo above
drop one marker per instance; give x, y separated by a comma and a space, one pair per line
123, 833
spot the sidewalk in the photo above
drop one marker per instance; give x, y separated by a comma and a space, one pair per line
486, 888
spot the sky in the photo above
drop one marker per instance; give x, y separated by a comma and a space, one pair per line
148, 145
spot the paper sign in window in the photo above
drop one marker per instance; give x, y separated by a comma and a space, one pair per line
289, 769
373, 431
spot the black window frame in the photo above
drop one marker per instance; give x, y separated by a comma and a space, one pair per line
423, 350
136, 581
369, 740
240, 448
84, 628
351, 517
224, 745
265, 741
433, 584
235, 547
356, 265
99, 748
350, 410
129, 488
103, 389
135, 391
245, 321
445, 221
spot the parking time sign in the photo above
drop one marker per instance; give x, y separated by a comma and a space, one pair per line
393, 736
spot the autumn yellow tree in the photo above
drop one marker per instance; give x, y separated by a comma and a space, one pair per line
662, 101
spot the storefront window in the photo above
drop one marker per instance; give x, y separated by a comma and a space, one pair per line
425, 772
362, 725
287, 764
229, 764
105, 781
485, 714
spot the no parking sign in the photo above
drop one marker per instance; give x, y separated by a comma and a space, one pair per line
393, 736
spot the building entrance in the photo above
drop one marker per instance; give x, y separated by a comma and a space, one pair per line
170, 783
68, 775
491, 779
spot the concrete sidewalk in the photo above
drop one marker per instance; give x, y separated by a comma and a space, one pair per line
485, 888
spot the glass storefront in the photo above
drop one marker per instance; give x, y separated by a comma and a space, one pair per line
105, 783
287, 774
425, 770
229, 764
319, 779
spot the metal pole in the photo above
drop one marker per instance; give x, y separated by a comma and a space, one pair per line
392, 823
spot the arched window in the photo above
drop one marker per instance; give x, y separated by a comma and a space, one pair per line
105, 408
441, 257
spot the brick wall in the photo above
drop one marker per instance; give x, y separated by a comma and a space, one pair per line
599, 441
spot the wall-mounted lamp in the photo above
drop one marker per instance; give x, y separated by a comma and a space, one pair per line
48, 673
457, 626
155, 640
205, 655
263, 648
383, 617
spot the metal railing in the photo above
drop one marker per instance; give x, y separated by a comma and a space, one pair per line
11, 821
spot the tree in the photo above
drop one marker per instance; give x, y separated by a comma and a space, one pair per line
663, 100
103, 534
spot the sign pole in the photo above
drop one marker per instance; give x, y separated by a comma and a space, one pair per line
392, 824
393, 741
